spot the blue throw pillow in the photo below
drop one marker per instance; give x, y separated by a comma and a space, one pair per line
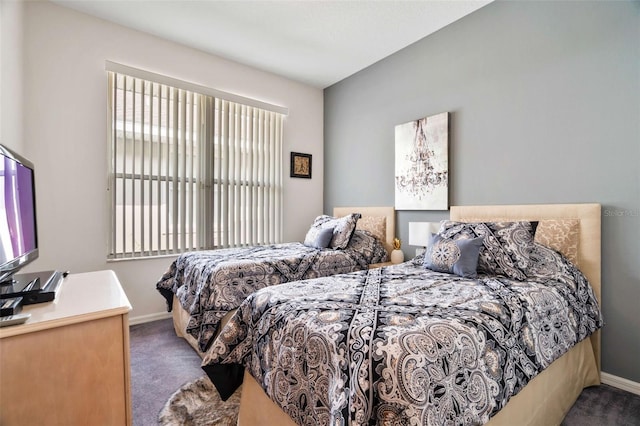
458, 257
318, 237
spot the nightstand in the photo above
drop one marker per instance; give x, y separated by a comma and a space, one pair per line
380, 265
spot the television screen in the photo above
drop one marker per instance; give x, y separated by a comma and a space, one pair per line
18, 238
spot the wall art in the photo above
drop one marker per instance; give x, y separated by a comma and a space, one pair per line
422, 164
300, 165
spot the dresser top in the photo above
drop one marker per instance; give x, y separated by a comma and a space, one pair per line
80, 297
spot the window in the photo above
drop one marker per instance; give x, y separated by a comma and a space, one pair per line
189, 170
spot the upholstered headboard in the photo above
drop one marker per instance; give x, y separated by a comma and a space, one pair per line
589, 234
387, 212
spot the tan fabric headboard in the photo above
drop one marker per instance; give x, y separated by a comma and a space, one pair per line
589, 247
388, 212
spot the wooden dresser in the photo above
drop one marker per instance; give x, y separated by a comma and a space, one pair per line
69, 363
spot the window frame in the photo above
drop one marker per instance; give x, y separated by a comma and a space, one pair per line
215, 178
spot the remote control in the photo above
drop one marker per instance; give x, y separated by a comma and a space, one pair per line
13, 319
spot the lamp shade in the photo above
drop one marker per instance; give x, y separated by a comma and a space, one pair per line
420, 232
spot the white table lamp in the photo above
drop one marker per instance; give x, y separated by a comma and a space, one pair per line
420, 233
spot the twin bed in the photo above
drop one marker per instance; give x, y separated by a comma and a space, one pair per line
202, 287
402, 344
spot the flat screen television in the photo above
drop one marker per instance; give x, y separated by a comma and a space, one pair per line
18, 231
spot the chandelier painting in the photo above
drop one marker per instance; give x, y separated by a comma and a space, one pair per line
422, 164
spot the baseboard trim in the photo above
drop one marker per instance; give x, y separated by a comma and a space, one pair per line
148, 318
620, 383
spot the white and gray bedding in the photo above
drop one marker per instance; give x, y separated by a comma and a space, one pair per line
404, 344
208, 284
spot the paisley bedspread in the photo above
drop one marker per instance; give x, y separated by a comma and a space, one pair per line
208, 284
403, 344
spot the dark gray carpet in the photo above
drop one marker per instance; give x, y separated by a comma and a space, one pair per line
161, 363
606, 406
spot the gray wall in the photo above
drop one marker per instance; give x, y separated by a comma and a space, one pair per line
544, 102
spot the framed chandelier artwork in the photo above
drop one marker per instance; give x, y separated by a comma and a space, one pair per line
422, 164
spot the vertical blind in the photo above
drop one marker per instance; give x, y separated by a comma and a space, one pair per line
190, 171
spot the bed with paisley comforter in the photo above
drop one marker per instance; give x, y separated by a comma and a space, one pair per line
429, 341
201, 287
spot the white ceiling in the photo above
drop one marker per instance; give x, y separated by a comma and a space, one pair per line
317, 42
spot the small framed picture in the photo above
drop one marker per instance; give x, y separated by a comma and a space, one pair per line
300, 165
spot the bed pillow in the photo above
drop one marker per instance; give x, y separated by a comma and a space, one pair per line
343, 228
506, 247
561, 235
368, 247
318, 237
458, 257
376, 225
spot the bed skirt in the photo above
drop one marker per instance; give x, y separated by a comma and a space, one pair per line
181, 320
